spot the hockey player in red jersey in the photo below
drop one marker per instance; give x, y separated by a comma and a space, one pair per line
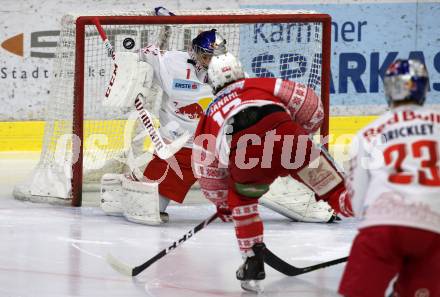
182, 77
394, 183
254, 131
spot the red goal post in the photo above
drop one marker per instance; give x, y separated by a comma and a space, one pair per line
291, 34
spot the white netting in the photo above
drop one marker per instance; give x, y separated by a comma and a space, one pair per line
286, 50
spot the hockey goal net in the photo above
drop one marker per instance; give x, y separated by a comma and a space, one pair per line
83, 140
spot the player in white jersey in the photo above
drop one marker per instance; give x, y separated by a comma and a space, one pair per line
182, 77
394, 183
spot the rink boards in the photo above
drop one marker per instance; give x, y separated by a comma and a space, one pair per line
28, 135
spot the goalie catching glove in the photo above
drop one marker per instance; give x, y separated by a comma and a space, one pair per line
129, 78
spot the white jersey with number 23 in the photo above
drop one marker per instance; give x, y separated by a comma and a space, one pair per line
394, 174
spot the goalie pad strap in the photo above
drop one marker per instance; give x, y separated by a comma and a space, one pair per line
111, 194
138, 186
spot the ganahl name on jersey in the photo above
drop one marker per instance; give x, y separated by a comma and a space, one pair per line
405, 116
221, 101
185, 85
224, 96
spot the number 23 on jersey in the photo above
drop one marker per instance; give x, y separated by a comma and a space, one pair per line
424, 153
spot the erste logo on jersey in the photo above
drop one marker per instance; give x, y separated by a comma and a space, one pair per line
185, 85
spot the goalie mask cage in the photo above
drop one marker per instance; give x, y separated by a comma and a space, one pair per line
83, 139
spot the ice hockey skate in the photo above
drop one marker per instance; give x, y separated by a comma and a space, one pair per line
251, 272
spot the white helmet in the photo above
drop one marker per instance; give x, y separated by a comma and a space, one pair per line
224, 69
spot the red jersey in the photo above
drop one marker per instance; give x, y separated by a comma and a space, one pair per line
212, 144
301, 102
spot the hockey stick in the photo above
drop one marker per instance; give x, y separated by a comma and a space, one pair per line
166, 32
163, 150
285, 268
133, 271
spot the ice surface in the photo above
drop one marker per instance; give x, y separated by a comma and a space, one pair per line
54, 251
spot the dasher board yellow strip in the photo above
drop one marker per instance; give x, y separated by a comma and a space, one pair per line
28, 136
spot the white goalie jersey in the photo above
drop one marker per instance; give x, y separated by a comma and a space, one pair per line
394, 174
185, 92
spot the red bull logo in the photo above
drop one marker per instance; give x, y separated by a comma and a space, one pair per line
191, 111
194, 110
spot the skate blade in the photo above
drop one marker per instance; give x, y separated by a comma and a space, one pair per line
254, 286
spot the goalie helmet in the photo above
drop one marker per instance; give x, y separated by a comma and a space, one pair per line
223, 70
406, 80
205, 45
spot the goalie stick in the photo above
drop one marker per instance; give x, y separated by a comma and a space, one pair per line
163, 150
166, 31
133, 271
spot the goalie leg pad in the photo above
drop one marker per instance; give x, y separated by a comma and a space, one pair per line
295, 201
111, 194
312, 212
141, 202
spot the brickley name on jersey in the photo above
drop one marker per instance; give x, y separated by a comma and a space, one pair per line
397, 117
408, 131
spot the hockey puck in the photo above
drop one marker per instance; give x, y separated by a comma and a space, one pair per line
128, 43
